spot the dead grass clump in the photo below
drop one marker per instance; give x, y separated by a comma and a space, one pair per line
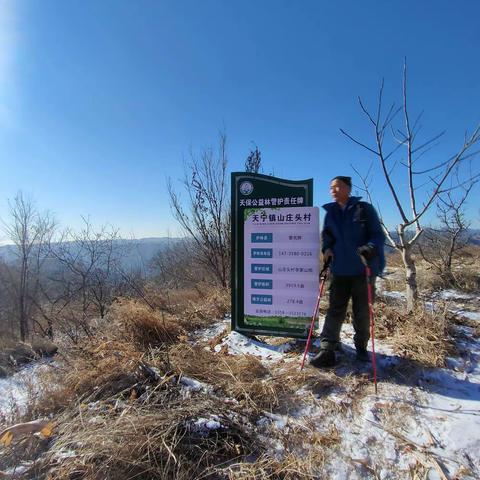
143, 326
213, 304
47, 395
195, 307
463, 274
388, 318
420, 336
467, 280
101, 368
247, 380
292, 466
178, 440
394, 258
309, 380
242, 377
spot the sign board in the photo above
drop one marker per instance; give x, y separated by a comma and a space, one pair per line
275, 255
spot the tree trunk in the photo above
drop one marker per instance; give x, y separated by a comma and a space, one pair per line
410, 277
23, 320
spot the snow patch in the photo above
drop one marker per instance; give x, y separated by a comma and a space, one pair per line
190, 385
454, 295
238, 344
204, 426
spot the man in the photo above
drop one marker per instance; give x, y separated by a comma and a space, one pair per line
351, 230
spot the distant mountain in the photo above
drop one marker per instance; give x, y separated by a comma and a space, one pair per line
139, 252
475, 236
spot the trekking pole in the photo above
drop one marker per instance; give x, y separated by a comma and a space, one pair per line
368, 275
323, 275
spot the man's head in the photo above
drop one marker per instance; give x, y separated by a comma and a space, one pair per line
340, 188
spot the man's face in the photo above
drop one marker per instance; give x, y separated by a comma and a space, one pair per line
339, 191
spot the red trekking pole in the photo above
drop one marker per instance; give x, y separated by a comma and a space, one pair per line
368, 275
323, 276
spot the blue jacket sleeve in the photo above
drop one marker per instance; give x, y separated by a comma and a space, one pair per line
327, 237
376, 237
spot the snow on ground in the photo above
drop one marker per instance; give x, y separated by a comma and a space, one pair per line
239, 344
454, 295
16, 389
470, 315
434, 418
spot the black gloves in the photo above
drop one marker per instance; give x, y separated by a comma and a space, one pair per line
367, 251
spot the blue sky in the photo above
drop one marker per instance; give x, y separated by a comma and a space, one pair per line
101, 100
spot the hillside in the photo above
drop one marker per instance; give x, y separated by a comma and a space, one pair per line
177, 395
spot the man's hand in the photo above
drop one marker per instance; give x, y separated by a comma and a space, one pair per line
367, 251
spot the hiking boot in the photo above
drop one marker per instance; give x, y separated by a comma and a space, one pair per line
324, 358
362, 355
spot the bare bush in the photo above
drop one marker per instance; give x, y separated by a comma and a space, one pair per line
144, 326
177, 266
440, 247
88, 278
205, 218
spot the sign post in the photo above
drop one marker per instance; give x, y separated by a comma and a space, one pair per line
275, 255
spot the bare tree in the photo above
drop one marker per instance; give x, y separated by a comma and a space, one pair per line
253, 161
175, 266
440, 245
90, 275
205, 217
8, 304
424, 185
29, 230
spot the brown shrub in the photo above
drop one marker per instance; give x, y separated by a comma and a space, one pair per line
421, 335
143, 326
242, 377
178, 311
248, 381
211, 305
168, 441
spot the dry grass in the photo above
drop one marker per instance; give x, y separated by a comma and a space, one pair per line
164, 439
101, 366
465, 275
212, 304
420, 336
194, 307
292, 466
143, 326
153, 434
243, 378
178, 312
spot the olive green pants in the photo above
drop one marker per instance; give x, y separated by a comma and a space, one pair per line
342, 288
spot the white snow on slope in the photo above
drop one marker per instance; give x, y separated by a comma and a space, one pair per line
440, 414
15, 390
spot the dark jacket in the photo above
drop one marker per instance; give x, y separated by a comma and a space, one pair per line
344, 231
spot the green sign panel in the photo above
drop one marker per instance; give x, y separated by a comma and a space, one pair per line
275, 248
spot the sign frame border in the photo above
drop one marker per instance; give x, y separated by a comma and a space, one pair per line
237, 255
